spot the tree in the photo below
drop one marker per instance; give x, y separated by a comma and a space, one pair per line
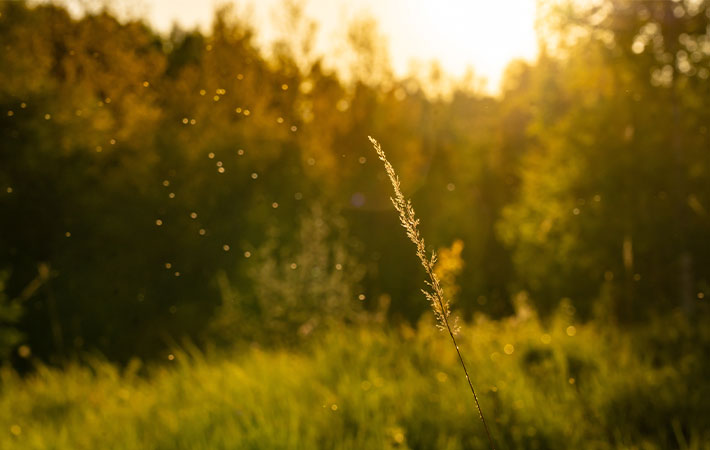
611, 195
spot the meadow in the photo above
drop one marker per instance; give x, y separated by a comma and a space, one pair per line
554, 385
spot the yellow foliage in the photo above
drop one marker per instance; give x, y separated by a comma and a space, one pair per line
449, 266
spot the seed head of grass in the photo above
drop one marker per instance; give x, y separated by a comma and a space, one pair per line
408, 220
435, 295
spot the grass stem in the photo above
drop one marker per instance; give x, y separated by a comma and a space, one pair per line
435, 294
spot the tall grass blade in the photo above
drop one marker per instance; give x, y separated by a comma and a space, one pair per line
435, 294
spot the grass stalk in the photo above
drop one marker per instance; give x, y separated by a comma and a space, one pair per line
435, 294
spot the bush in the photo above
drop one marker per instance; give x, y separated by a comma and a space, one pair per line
292, 290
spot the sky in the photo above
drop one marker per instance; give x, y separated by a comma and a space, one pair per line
482, 35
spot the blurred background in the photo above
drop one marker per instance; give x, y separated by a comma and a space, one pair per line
191, 213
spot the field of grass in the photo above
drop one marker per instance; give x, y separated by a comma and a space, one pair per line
560, 385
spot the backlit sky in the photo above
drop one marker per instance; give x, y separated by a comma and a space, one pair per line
459, 34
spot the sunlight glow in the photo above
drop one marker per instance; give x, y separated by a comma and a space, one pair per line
462, 34
483, 36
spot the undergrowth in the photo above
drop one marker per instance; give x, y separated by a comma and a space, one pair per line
558, 385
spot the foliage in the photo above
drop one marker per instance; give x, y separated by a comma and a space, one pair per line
557, 385
10, 312
293, 292
613, 193
142, 167
448, 266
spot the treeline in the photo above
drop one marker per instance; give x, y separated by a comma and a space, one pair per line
159, 187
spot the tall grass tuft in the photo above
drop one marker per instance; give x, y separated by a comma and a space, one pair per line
435, 294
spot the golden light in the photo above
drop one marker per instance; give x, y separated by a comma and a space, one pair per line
483, 36
461, 34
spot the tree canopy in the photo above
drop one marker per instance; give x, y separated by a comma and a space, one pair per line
188, 185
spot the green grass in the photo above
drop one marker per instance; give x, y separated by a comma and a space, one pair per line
371, 388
